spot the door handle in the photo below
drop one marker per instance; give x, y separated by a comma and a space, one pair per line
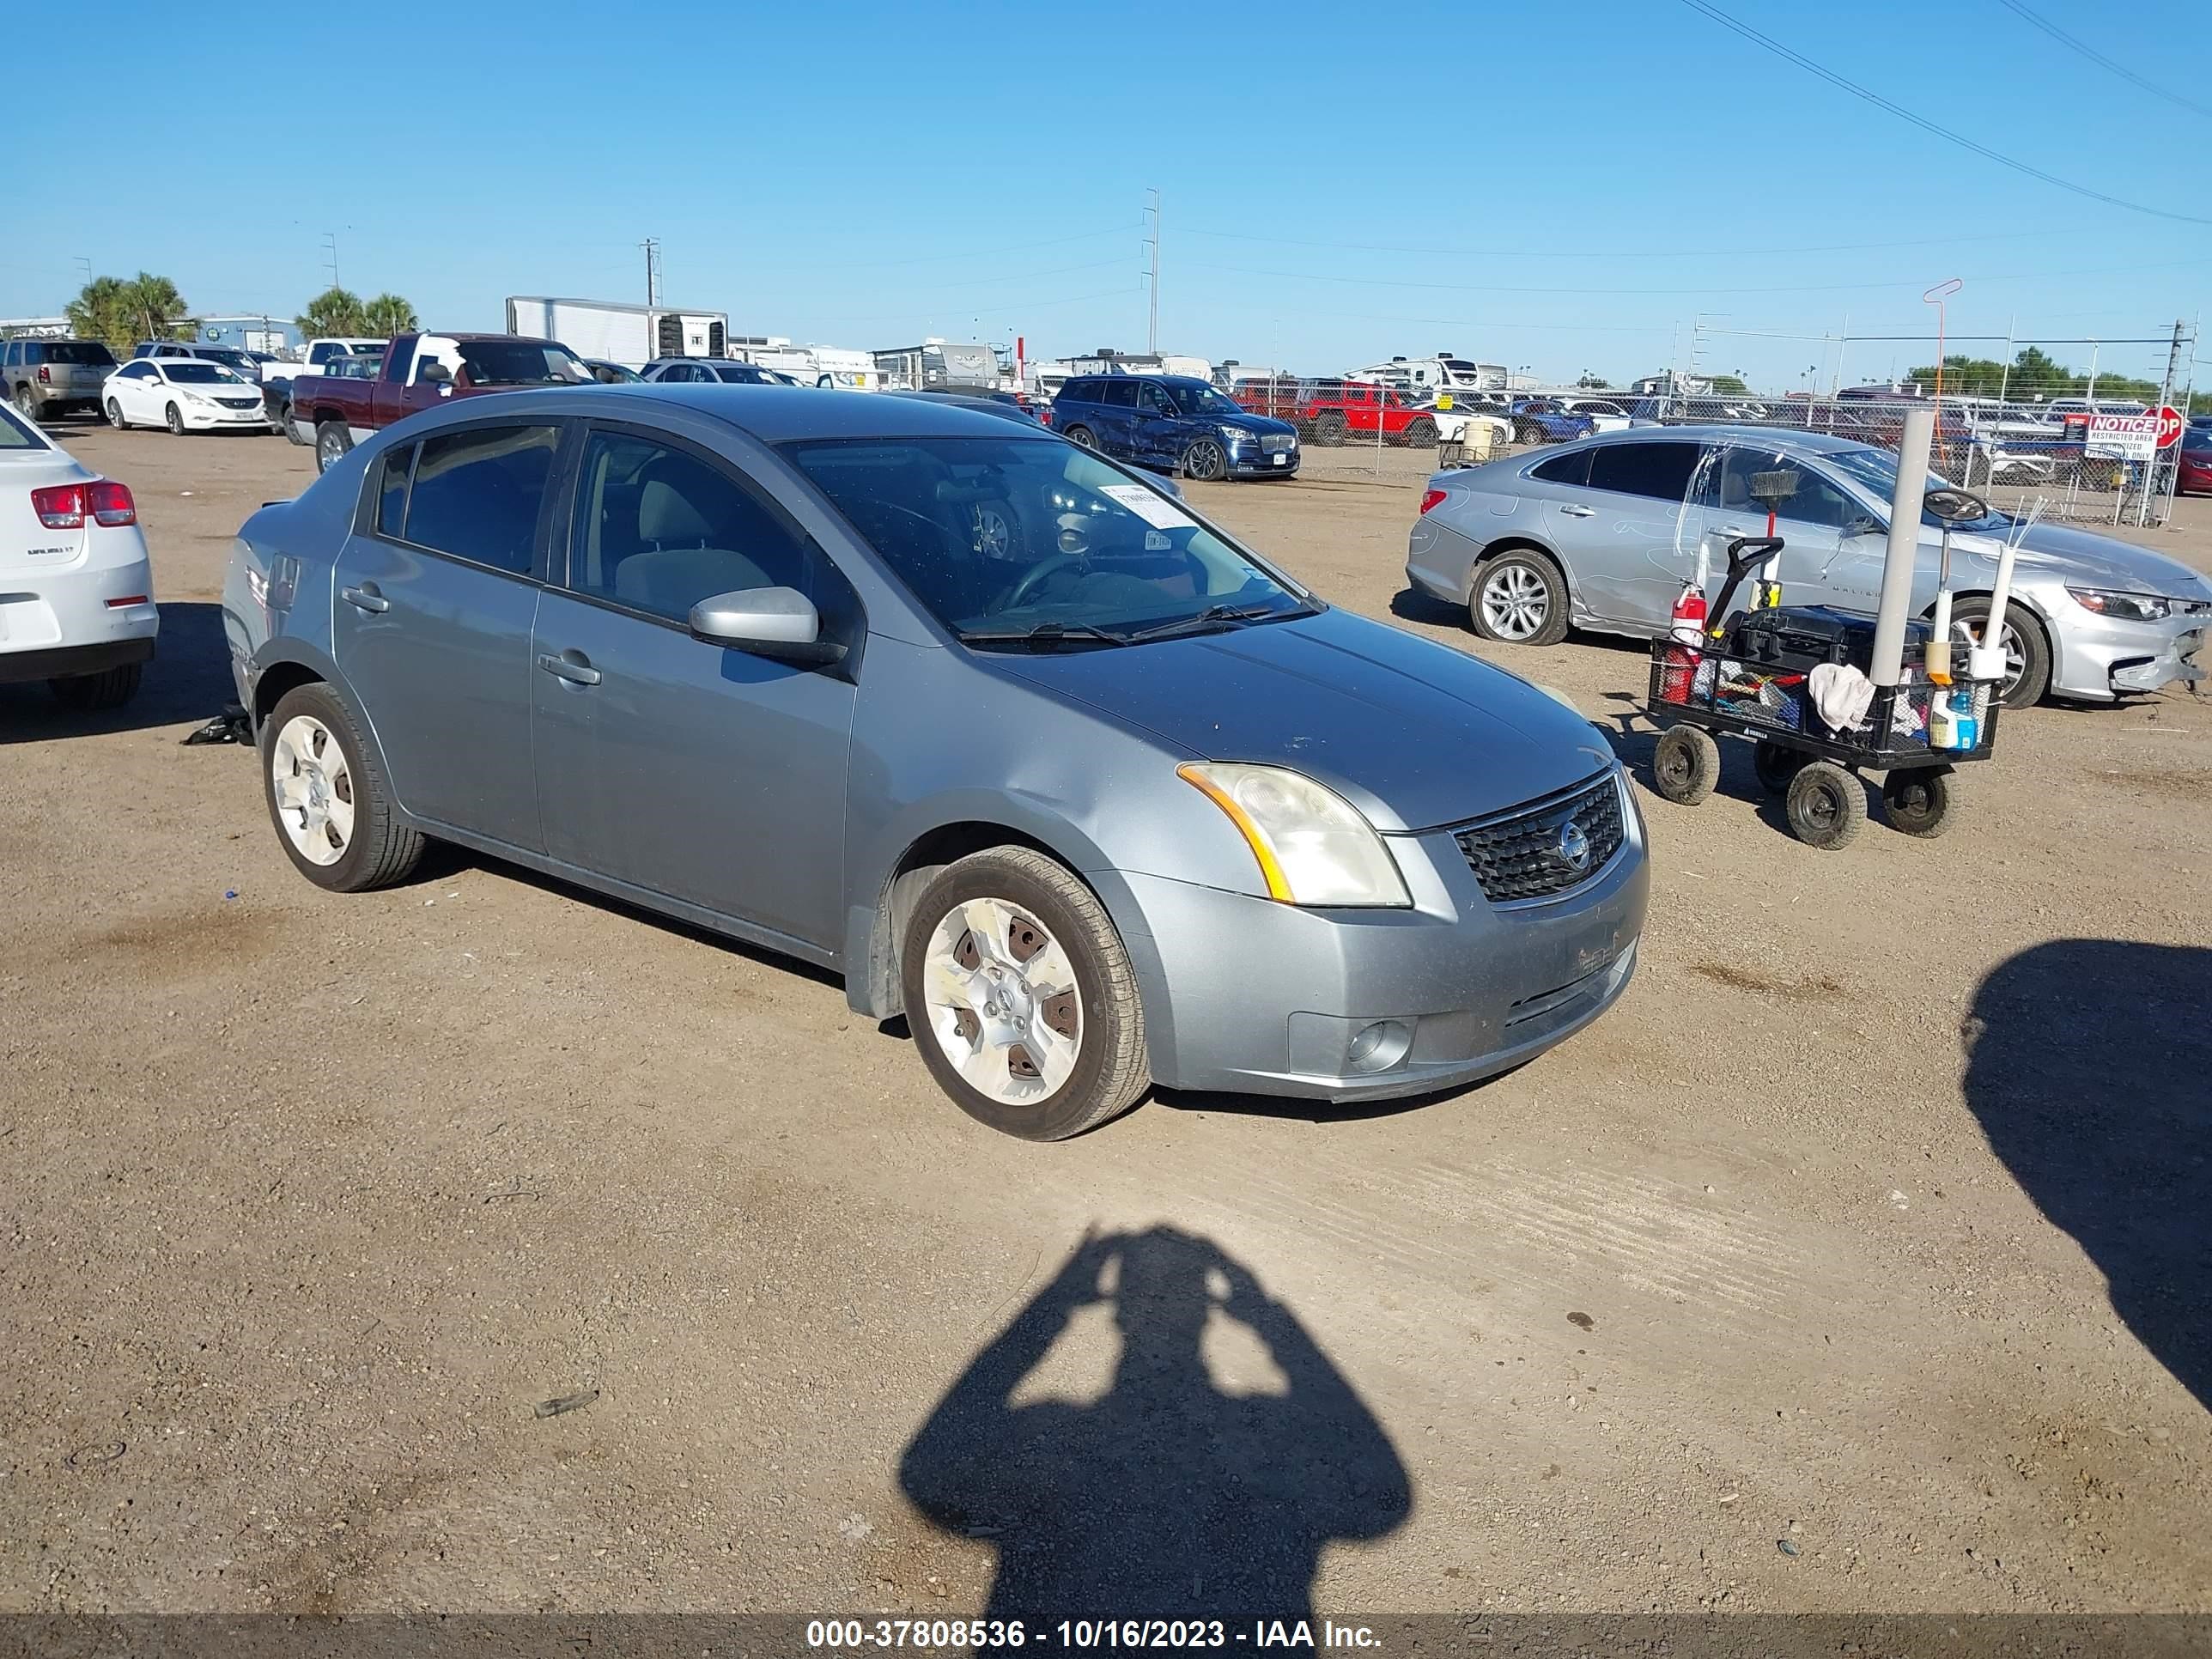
1578, 511
569, 665
365, 597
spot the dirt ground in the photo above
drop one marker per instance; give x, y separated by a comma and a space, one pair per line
1857, 1260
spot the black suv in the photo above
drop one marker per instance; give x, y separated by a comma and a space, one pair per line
1173, 423
47, 378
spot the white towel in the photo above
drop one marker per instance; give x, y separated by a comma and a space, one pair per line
1842, 694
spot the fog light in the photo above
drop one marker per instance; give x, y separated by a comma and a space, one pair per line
1378, 1047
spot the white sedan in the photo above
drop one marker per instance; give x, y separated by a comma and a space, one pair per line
1604, 416
76, 594
185, 394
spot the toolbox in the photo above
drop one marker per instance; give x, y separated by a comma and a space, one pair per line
1798, 638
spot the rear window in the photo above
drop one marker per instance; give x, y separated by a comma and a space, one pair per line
1660, 471
1080, 391
1572, 468
72, 351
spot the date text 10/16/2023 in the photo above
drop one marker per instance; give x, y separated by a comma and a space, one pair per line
1085, 1634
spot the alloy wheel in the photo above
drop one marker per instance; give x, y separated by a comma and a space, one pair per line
1002, 1001
1515, 602
314, 789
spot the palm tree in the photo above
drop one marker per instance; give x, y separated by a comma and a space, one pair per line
153, 306
100, 311
388, 314
334, 311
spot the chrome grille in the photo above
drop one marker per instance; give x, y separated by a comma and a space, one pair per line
1518, 855
1272, 443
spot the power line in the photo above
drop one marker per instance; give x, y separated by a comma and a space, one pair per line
1613, 254
1768, 43
2098, 57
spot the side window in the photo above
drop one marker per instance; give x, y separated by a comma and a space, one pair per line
1156, 401
322, 353
476, 493
7, 357
1660, 471
658, 529
1815, 501
391, 493
1118, 394
1571, 468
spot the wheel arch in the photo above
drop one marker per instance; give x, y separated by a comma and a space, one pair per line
2026, 602
1520, 542
286, 665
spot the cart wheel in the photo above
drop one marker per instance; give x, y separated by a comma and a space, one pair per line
1920, 801
1685, 765
1776, 765
1826, 806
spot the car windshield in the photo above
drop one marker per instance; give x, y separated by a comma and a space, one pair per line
76, 351
1876, 471
1196, 400
1018, 540
201, 374
521, 363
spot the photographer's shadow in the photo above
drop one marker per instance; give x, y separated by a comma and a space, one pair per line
1169, 1496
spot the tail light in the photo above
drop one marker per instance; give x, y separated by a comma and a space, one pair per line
1431, 498
1044, 413
111, 502
65, 507
45, 379
60, 507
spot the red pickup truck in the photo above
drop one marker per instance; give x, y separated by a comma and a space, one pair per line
1332, 410
419, 371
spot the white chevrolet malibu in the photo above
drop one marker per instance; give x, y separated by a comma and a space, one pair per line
77, 593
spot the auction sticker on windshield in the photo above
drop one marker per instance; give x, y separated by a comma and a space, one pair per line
1148, 505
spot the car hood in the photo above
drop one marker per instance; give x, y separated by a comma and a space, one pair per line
2085, 559
1258, 425
1413, 733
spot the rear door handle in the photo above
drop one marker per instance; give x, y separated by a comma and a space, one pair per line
365, 597
571, 667
1578, 511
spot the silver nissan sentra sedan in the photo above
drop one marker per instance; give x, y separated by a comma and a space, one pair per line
1002, 732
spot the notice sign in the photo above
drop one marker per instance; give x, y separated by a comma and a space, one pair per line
2123, 437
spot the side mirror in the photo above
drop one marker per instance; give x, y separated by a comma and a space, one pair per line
436, 373
769, 622
1955, 506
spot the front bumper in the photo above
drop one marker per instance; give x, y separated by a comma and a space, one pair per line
1245, 462
206, 417
2099, 659
1241, 994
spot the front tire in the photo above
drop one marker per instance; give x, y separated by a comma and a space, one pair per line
1204, 461
1685, 765
89, 693
2027, 649
328, 799
1826, 806
1519, 599
1776, 765
175, 418
1020, 997
115, 415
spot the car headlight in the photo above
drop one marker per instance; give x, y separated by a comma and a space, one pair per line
1236, 434
1312, 846
2122, 607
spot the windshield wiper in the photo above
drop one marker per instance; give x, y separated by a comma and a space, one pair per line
1046, 634
1215, 618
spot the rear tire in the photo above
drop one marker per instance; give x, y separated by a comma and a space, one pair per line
26, 403
1082, 437
109, 689
1685, 765
1826, 806
1921, 801
943, 967
377, 850
1420, 432
1519, 599
1329, 431
332, 441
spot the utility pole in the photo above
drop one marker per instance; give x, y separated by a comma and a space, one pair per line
2165, 397
330, 252
651, 246
1152, 331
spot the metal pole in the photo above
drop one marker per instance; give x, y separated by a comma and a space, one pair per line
1836, 389
1903, 558
1152, 331
2004, 380
2165, 397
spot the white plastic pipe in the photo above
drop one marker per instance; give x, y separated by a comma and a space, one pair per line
1986, 660
1904, 555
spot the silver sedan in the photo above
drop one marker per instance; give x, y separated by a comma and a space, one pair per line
1603, 533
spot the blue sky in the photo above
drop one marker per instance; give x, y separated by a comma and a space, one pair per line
1567, 186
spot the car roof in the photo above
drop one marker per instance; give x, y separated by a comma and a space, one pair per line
773, 414
1779, 437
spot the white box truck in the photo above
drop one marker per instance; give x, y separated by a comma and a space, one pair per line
630, 335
